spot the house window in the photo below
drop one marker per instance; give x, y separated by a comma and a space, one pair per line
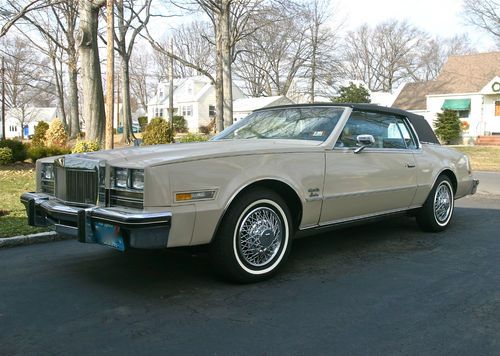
463, 114
187, 110
211, 110
161, 93
190, 89
497, 108
161, 112
13, 128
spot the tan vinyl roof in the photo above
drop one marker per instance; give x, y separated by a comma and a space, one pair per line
460, 74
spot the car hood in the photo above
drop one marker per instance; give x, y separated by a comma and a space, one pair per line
147, 156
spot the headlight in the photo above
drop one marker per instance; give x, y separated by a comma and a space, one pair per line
121, 177
138, 179
47, 171
125, 178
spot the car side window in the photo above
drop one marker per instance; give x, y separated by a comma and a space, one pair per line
389, 131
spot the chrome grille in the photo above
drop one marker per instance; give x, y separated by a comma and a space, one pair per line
81, 186
77, 185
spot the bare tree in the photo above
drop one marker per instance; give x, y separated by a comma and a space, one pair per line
484, 14
434, 53
384, 55
132, 17
276, 52
56, 21
323, 41
93, 98
141, 84
28, 79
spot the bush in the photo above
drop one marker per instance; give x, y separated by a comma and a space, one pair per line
143, 122
352, 94
56, 134
6, 155
86, 146
448, 127
37, 152
180, 124
191, 137
157, 131
40, 131
207, 129
19, 149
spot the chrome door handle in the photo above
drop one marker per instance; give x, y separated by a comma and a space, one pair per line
410, 165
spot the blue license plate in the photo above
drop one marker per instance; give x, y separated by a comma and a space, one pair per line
108, 235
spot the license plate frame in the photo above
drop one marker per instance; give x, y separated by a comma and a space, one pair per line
108, 235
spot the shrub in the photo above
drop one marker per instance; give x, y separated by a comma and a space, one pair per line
86, 146
207, 129
352, 94
448, 127
19, 149
143, 122
40, 131
157, 131
56, 134
37, 152
191, 137
180, 124
6, 155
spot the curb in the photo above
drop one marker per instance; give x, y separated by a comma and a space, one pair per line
32, 239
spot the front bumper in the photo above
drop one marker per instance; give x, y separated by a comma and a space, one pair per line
107, 226
475, 183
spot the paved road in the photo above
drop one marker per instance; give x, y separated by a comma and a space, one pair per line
384, 288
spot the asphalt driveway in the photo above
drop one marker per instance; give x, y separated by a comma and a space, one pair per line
384, 288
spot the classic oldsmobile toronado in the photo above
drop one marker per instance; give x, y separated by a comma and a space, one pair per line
280, 172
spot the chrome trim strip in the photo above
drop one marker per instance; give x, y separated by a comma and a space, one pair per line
369, 192
353, 219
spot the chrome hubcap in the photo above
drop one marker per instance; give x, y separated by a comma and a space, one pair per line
442, 203
260, 236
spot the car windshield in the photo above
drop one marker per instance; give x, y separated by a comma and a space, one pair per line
306, 123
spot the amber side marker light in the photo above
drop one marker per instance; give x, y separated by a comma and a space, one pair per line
202, 195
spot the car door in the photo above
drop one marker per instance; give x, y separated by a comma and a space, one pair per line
381, 178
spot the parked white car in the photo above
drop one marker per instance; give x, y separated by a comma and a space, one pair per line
279, 173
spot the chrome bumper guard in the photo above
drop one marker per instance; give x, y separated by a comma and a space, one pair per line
137, 229
475, 183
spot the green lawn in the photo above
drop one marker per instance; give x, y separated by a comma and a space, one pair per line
14, 180
483, 158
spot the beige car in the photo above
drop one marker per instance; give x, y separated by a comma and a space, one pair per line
279, 173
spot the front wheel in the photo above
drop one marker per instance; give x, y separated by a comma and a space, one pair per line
436, 213
254, 239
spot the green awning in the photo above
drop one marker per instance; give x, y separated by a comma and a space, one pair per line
456, 104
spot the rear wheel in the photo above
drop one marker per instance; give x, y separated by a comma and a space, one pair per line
436, 213
254, 239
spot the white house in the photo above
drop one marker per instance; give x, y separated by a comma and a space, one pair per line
29, 117
245, 106
469, 85
194, 98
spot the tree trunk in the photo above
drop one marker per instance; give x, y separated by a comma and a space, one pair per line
219, 94
60, 92
128, 135
93, 98
171, 91
74, 111
227, 82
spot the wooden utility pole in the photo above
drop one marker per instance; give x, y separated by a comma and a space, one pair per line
3, 98
171, 91
110, 71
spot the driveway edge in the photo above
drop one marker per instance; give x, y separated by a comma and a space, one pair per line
32, 239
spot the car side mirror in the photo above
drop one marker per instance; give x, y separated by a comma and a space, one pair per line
363, 141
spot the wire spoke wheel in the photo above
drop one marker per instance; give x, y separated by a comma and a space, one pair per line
442, 203
260, 236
